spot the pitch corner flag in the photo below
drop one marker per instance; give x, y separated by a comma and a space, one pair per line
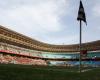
81, 13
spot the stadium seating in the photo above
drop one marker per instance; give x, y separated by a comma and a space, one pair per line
19, 50
20, 60
20, 55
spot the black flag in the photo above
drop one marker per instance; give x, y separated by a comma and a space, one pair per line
81, 13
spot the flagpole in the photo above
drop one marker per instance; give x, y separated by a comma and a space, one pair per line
80, 46
81, 17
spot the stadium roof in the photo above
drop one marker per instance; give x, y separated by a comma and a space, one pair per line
15, 38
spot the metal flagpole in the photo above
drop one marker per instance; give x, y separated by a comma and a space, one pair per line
80, 46
81, 17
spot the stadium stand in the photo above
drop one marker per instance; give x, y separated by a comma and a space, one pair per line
5, 58
22, 55
16, 48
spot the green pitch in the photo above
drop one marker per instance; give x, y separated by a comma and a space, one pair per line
25, 72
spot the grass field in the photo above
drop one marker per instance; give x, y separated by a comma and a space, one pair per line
22, 72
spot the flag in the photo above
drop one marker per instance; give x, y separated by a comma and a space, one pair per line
81, 13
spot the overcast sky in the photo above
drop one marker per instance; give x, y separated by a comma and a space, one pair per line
51, 21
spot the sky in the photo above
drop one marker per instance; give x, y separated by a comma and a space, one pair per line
51, 21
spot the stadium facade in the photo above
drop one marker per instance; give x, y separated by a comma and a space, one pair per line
20, 49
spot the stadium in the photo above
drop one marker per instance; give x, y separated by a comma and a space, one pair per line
16, 48
53, 22
24, 58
